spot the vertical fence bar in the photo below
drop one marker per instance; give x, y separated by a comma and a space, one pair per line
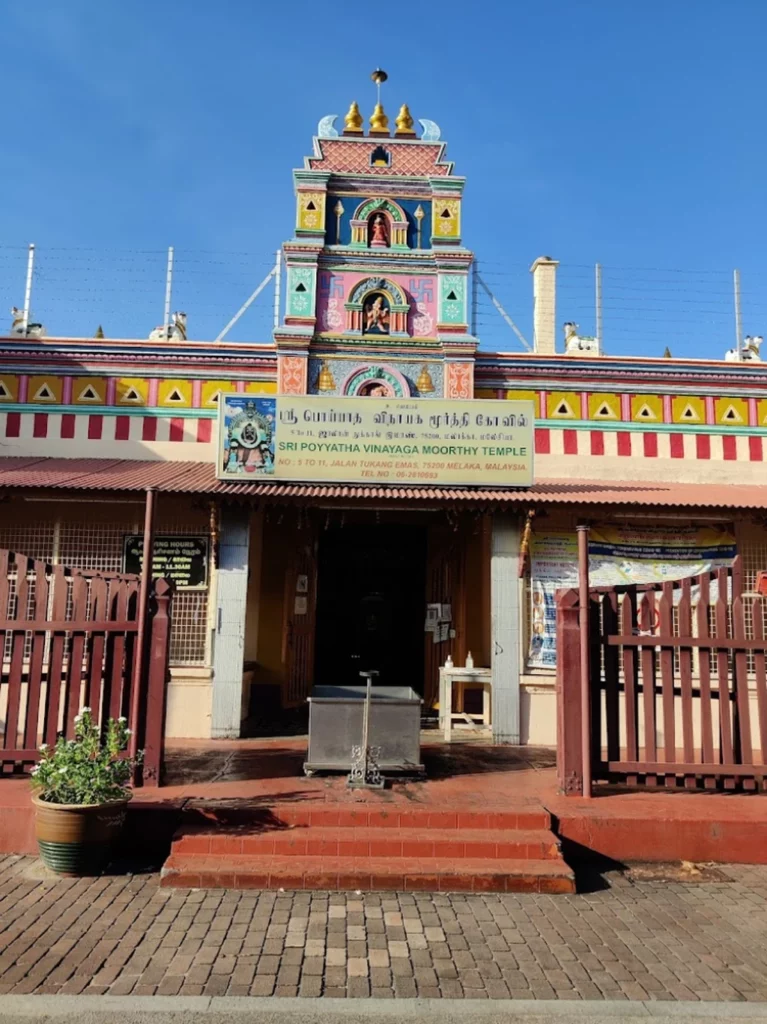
628, 617
760, 676
685, 678
646, 616
585, 670
726, 751
143, 597
704, 672
569, 759
36, 656
158, 650
666, 628
611, 655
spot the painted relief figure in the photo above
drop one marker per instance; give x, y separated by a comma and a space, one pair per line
248, 435
377, 315
379, 233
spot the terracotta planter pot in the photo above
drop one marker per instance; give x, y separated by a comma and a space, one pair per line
76, 839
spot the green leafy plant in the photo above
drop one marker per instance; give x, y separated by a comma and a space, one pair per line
87, 769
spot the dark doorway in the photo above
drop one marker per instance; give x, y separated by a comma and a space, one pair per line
371, 590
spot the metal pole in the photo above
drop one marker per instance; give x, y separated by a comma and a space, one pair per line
738, 324
504, 314
28, 288
143, 601
583, 622
246, 305
277, 283
598, 298
474, 296
168, 285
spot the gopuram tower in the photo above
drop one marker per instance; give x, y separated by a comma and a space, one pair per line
377, 278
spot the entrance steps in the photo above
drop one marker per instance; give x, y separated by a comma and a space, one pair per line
356, 847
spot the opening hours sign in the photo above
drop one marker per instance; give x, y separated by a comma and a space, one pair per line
181, 558
402, 442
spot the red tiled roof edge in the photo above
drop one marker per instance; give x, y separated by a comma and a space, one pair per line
199, 478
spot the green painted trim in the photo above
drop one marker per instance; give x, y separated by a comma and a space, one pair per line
112, 410
657, 428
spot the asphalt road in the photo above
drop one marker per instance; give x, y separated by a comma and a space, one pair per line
234, 1010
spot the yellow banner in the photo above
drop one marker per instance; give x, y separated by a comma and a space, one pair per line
376, 440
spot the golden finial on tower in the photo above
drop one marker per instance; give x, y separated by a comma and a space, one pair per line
404, 121
424, 384
353, 121
99, 332
379, 122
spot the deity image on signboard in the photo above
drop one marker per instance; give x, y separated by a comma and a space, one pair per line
376, 314
249, 433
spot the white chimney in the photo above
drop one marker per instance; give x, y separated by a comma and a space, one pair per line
544, 272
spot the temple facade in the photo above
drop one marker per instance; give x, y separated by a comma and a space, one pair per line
298, 583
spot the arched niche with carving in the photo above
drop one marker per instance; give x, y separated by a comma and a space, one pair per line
379, 223
375, 382
377, 305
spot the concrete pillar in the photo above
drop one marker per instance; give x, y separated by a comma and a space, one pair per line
544, 272
229, 650
505, 628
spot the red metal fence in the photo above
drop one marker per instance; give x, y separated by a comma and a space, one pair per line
70, 639
676, 686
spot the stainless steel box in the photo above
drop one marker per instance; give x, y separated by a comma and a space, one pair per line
335, 726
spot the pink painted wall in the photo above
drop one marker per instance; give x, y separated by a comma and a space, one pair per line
334, 288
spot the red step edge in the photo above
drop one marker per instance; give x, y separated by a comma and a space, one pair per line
368, 874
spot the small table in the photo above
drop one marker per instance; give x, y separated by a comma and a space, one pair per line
463, 676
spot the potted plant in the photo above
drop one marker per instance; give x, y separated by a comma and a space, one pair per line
82, 789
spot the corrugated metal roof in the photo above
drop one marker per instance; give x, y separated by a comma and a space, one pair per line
199, 478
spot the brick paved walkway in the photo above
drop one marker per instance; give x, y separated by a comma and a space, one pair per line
634, 940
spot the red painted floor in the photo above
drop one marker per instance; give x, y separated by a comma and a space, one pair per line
250, 775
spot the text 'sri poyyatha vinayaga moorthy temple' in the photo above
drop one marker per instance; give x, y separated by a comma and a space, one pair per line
371, 489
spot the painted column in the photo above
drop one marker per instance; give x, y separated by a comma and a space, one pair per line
504, 626
229, 651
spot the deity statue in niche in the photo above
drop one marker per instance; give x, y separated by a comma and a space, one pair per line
373, 390
376, 315
378, 231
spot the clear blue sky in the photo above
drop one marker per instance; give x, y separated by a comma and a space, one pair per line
600, 130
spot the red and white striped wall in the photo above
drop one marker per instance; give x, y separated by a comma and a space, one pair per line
649, 445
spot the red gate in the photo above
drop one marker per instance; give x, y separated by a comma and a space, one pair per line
70, 639
675, 686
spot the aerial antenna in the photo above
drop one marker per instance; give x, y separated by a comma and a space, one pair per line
738, 322
379, 76
168, 288
28, 287
598, 303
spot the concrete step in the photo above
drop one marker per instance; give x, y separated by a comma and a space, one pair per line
209, 816
367, 874
408, 843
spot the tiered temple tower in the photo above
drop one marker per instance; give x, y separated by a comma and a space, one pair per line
377, 278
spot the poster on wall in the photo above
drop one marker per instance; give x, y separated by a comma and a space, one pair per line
375, 440
617, 555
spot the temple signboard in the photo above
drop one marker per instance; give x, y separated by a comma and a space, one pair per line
402, 442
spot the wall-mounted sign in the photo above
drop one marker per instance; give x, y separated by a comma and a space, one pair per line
179, 558
401, 442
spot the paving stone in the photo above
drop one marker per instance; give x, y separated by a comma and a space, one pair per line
633, 941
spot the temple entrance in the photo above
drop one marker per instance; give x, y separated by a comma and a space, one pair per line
371, 594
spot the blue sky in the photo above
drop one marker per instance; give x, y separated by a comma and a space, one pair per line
599, 130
